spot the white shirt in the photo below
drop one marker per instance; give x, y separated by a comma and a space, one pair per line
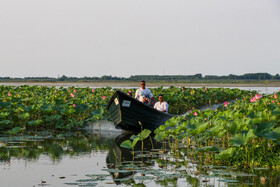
141, 93
161, 106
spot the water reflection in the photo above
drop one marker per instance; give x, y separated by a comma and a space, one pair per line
119, 158
96, 157
55, 146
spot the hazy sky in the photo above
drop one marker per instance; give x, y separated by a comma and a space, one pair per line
128, 37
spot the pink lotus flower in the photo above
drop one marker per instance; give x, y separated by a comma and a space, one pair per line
255, 98
226, 104
55, 91
258, 96
72, 95
74, 105
74, 91
275, 96
272, 101
93, 90
129, 91
9, 94
66, 101
103, 97
195, 114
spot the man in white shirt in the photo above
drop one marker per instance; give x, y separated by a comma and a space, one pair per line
161, 105
144, 95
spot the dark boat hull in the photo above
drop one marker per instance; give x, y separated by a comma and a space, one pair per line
128, 113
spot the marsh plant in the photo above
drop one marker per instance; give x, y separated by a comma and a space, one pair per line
243, 134
41, 107
130, 144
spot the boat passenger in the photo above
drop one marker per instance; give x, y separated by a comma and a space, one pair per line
145, 95
161, 105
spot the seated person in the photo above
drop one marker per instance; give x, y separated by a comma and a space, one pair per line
145, 95
161, 105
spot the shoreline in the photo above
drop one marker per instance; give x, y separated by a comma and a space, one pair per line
137, 84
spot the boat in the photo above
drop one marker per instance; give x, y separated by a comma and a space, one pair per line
130, 114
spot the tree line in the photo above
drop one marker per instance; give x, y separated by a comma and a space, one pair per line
152, 78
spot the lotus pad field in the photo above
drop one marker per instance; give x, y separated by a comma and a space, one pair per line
244, 134
25, 107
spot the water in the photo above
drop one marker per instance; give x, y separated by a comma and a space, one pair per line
92, 158
262, 89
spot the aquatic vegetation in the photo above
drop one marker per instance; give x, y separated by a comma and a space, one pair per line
41, 107
244, 134
130, 144
49, 107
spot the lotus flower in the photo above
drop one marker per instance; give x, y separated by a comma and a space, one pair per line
72, 95
253, 99
55, 91
74, 105
103, 97
195, 114
256, 97
226, 104
272, 101
66, 101
74, 91
275, 96
93, 90
9, 94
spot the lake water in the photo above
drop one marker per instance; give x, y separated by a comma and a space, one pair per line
93, 157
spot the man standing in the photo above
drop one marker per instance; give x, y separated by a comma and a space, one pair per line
161, 105
144, 95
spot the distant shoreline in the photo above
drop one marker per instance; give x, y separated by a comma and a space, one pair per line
137, 84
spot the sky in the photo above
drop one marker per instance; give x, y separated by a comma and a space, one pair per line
78, 38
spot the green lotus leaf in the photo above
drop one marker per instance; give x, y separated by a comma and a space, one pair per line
5, 122
203, 127
24, 116
160, 136
208, 149
144, 134
15, 130
241, 139
3, 115
71, 111
274, 134
261, 129
135, 142
127, 144
47, 108
226, 153
35, 122
53, 117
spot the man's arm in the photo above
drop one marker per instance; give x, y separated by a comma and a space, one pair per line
153, 99
165, 107
137, 95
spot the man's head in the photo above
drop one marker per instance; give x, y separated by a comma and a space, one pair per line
160, 98
143, 84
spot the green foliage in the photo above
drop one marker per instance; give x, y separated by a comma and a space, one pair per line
41, 107
50, 108
245, 132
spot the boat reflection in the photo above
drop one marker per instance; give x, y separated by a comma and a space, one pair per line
120, 161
